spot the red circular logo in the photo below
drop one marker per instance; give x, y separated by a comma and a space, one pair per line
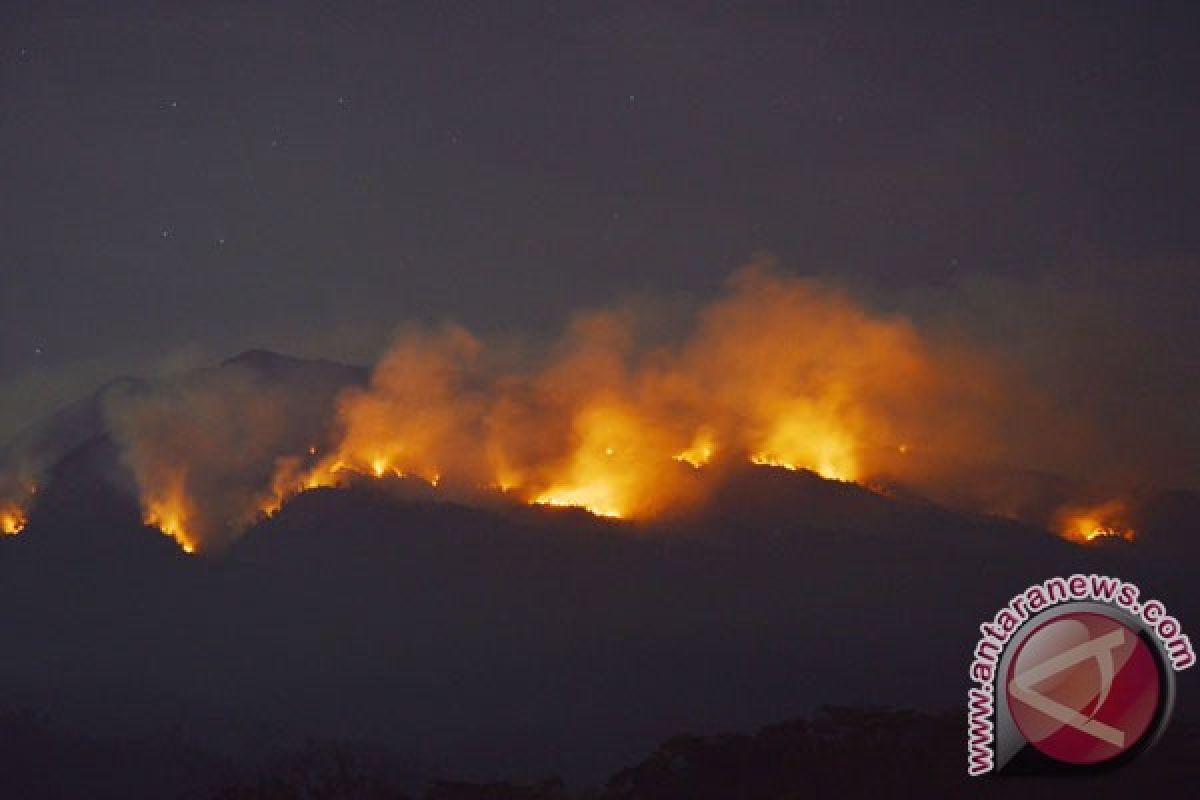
1083, 688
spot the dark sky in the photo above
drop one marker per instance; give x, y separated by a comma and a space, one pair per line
183, 181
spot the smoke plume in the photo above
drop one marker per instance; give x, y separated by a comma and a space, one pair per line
779, 371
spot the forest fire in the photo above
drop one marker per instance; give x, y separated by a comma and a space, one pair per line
780, 372
16, 497
804, 438
597, 498
170, 513
700, 452
12, 519
1095, 523
1098, 532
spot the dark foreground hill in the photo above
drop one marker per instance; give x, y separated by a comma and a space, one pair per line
491, 641
517, 641
837, 752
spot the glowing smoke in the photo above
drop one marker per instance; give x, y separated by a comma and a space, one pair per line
779, 371
202, 447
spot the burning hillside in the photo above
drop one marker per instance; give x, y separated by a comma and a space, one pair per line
1106, 520
12, 519
779, 371
16, 496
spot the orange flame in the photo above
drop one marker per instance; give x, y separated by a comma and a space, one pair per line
12, 519
701, 451
171, 511
605, 470
14, 507
783, 372
1096, 522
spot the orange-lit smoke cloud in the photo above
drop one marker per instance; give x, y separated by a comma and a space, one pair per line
1092, 522
780, 371
202, 447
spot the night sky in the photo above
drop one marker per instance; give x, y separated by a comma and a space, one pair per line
184, 181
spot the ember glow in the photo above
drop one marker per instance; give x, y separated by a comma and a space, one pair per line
700, 451
1096, 522
809, 438
170, 512
15, 500
12, 519
613, 462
